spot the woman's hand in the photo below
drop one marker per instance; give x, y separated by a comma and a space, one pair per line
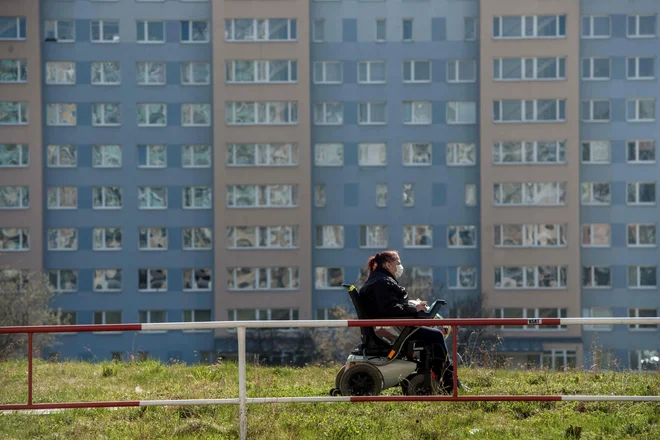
421, 307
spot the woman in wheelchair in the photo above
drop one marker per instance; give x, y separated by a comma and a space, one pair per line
382, 297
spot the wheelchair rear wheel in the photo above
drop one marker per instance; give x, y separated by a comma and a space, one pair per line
361, 380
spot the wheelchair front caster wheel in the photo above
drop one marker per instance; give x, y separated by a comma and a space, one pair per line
335, 392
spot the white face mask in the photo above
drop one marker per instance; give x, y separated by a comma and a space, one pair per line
399, 271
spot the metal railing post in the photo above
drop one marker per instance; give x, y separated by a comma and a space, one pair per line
30, 368
242, 392
454, 349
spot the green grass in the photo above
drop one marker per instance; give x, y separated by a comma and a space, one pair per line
71, 381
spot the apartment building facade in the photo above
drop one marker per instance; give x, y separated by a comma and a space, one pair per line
197, 160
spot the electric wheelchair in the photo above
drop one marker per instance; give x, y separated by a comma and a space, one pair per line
390, 356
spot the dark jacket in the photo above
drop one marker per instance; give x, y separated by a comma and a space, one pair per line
382, 297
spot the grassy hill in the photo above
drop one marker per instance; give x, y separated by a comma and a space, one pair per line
74, 381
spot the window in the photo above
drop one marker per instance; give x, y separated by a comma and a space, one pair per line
641, 26
461, 71
151, 74
241, 155
152, 156
197, 239
152, 279
14, 239
531, 277
106, 197
152, 197
14, 197
13, 71
329, 237
529, 194
372, 154
263, 278
461, 236
12, 28
106, 156
596, 68
461, 112
407, 29
152, 316
67, 318
596, 26
644, 360
262, 71
61, 114
319, 195
469, 28
262, 196
596, 193
417, 154
596, 235
529, 235
107, 239
13, 280
373, 236
152, 239
417, 71
106, 73
108, 280
641, 193
461, 154
381, 30
596, 152
152, 115
197, 197
420, 280
63, 239
417, 236
195, 31
537, 152
328, 277
14, 155
532, 26
417, 112
262, 113
462, 277
262, 237
62, 156
62, 31
196, 279
195, 73
372, 113
640, 68
559, 360
537, 110
64, 280
596, 277
470, 194
372, 72
641, 151
641, 235
328, 113
196, 316
62, 197
106, 114
14, 113
196, 115
196, 156
105, 31
318, 31
381, 195
642, 277
597, 312
640, 110
250, 30
529, 69
329, 155
328, 72
150, 31
642, 313
408, 195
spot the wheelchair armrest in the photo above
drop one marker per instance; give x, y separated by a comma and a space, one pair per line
433, 310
